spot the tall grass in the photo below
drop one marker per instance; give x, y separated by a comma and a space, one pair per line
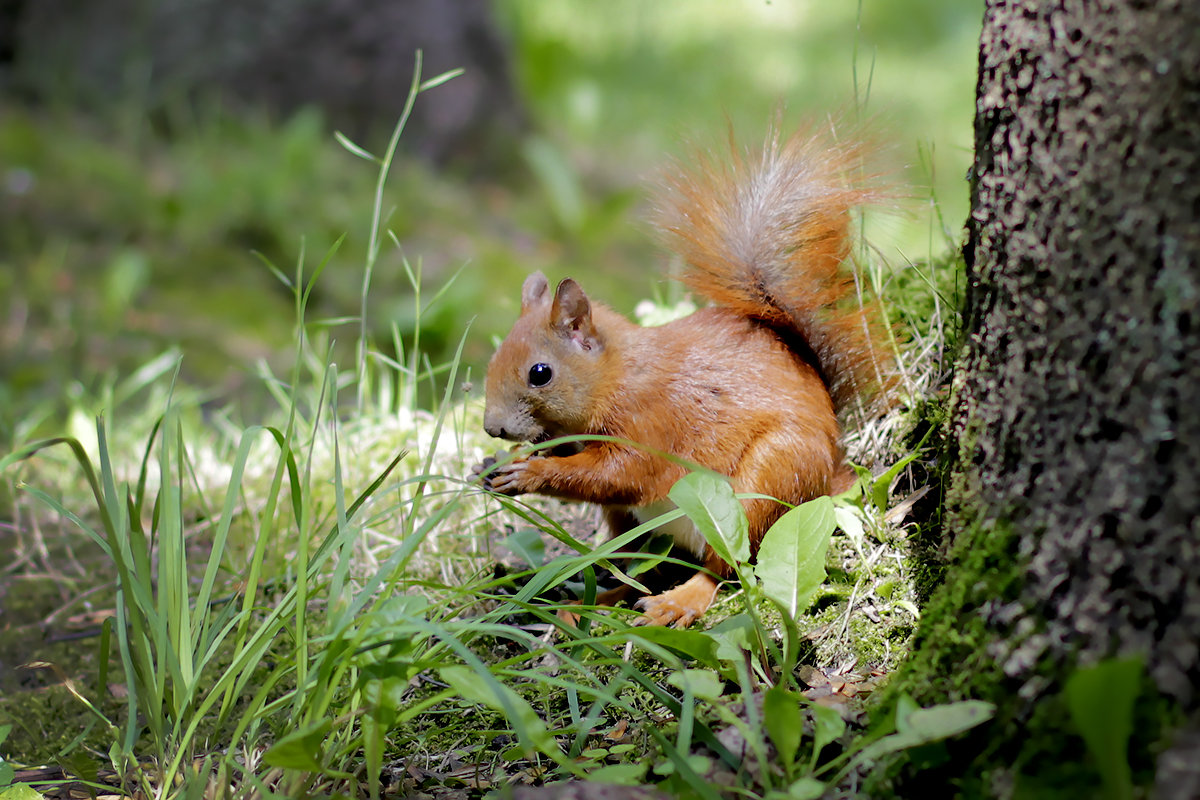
311, 643
198, 663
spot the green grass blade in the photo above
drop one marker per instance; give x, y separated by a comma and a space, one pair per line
201, 610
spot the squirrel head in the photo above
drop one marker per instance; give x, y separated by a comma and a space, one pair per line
543, 380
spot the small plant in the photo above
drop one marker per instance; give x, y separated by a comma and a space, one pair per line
688, 671
1101, 701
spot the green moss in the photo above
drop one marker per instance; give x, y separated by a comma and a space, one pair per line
50, 725
1031, 748
875, 633
952, 640
46, 718
926, 545
951, 655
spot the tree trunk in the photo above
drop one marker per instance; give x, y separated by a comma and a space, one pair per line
351, 58
1073, 511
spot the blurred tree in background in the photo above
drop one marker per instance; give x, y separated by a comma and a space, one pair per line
353, 59
154, 152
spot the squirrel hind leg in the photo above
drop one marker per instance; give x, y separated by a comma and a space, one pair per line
682, 605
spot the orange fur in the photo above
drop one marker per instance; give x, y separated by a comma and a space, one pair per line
749, 387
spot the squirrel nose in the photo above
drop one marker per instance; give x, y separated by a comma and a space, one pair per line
492, 422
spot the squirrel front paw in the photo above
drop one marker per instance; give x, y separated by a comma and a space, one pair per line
509, 477
481, 472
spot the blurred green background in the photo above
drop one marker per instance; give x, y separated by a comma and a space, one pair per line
153, 157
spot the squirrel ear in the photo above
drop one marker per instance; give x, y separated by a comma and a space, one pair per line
572, 315
533, 292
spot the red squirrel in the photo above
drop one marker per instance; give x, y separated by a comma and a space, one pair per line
749, 386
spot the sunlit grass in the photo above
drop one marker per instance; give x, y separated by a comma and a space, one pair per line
303, 603
310, 601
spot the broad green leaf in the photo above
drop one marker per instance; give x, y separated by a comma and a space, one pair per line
734, 636
1100, 700
491, 693
528, 545
708, 500
395, 659
927, 725
881, 487
807, 789
301, 749
374, 740
905, 706
791, 558
21, 791
783, 718
401, 608
701, 683
850, 519
384, 699
624, 774
472, 686
951, 719
828, 726
693, 644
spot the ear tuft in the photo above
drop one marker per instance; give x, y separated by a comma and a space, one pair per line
570, 303
571, 314
534, 290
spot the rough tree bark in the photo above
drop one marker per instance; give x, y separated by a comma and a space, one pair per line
1074, 510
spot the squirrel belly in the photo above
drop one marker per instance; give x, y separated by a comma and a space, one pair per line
745, 405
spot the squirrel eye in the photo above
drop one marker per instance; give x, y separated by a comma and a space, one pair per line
540, 374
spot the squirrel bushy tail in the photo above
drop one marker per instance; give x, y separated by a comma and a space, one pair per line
767, 234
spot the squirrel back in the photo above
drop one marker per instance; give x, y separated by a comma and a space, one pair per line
767, 235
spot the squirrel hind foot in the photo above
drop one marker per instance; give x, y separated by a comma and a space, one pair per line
682, 605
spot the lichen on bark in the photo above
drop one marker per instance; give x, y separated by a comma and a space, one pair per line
1076, 439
